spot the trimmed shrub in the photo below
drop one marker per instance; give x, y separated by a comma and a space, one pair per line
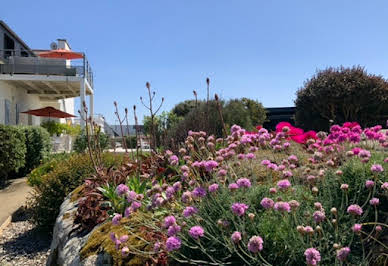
38, 147
35, 177
340, 95
81, 142
51, 188
12, 150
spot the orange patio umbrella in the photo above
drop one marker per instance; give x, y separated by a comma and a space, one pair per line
48, 112
62, 54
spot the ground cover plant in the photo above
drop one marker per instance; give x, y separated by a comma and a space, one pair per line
257, 198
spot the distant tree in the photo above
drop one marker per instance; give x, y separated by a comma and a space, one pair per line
244, 112
342, 94
183, 108
163, 122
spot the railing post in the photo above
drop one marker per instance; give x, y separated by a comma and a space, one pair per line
82, 96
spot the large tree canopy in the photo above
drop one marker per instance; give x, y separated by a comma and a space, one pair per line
337, 95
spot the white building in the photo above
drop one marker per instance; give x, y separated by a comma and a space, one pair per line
28, 81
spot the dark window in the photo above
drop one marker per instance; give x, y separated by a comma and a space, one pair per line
9, 45
23, 53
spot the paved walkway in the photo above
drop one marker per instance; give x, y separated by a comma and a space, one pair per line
13, 197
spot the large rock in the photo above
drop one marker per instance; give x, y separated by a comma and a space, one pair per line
67, 242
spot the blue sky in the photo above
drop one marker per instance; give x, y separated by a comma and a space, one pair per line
263, 50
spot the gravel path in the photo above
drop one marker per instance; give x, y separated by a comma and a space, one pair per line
22, 244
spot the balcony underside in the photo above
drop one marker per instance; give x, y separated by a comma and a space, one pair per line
47, 87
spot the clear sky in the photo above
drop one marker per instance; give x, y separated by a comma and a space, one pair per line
263, 50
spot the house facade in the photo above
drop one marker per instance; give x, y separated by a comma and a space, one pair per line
28, 81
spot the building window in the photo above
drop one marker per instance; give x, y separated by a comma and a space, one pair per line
7, 107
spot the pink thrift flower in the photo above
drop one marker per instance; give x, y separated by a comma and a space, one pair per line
210, 165
186, 196
239, 208
243, 183
233, 186
241, 156
343, 253
344, 186
173, 230
125, 251
284, 184
236, 237
272, 190
116, 219
222, 172
169, 220
357, 228
124, 238
199, 192
282, 206
369, 184
267, 203
265, 162
196, 232
354, 209
188, 211
173, 243
294, 204
293, 158
122, 189
319, 216
384, 186
374, 202
312, 256
287, 174
250, 156
213, 188
377, 168
255, 244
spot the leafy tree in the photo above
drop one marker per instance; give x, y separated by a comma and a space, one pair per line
342, 94
183, 108
244, 112
163, 122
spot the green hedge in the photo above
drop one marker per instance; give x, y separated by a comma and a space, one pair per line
22, 148
38, 144
12, 150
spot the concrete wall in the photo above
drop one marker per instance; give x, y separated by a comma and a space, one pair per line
18, 96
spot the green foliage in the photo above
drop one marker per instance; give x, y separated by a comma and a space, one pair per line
38, 144
118, 203
56, 128
283, 244
131, 142
183, 108
203, 118
35, 177
57, 182
341, 95
12, 150
245, 112
81, 142
163, 122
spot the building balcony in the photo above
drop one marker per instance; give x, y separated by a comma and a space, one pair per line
49, 78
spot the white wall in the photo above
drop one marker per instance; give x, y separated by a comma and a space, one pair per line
17, 96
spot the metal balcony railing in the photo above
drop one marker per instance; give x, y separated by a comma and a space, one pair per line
22, 62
